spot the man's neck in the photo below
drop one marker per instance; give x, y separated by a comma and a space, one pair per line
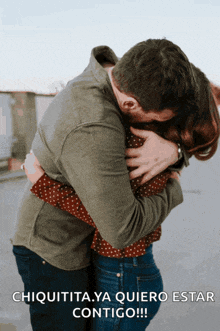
121, 97
107, 66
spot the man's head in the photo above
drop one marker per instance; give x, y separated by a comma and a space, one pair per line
133, 112
156, 86
154, 75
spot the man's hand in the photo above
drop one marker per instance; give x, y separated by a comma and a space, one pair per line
32, 168
153, 157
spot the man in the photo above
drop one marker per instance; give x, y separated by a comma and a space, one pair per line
81, 142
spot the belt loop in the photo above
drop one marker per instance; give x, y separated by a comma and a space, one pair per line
135, 262
121, 269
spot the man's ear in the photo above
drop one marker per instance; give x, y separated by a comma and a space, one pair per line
129, 105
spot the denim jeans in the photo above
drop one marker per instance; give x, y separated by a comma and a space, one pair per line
132, 277
40, 276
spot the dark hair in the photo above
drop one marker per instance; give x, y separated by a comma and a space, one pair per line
157, 74
198, 128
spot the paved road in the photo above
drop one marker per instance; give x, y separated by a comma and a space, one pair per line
188, 254
13, 316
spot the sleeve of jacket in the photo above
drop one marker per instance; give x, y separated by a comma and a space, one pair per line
93, 161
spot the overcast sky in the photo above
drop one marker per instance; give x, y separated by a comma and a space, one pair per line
52, 40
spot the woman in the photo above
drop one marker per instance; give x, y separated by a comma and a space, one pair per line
134, 266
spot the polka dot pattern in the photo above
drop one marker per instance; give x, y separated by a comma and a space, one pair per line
65, 198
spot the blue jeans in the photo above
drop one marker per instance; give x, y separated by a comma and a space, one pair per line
40, 276
131, 276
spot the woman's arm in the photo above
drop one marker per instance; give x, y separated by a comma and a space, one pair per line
61, 196
65, 198
53, 192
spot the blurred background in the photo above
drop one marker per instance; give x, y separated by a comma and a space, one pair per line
46, 43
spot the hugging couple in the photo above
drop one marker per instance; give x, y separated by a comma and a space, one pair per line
107, 157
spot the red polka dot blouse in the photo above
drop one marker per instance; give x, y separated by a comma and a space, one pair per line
64, 197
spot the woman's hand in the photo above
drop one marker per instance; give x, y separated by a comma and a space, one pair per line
153, 157
32, 168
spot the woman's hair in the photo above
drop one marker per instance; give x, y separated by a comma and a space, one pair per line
195, 127
157, 74
216, 93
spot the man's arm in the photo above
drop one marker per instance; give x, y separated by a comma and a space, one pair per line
93, 161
